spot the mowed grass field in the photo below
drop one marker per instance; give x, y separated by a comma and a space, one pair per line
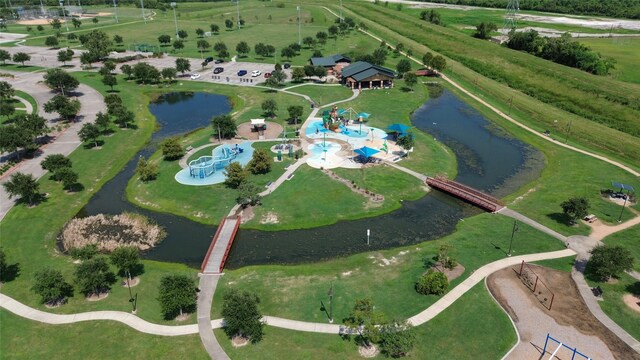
626, 52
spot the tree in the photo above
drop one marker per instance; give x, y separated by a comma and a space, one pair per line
76, 22
260, 162
66, 108
397, 338
33, 124
178, 44
40, 28
67, 176
403, 66
178, 294
164, 40
24, 186
242, 316
4, 56
364, 320
270, 107
146, 73
410, 79
320, 71
127, 260
4, 267
13, 137
71, 36
228, 24
98, 44
379, 56
439, 63
51, 286
243, 48
56, 24
107, 68
146, 170
169, 74
259, 49
309, 42
118, 39
295, 112
172, 149
322, 37
575, 208
94, 277
199, 32
298, 74
110, 80
248, 194
89, 132
51, 41
86, 59
406, 141
287, 52
94, 20
127, 70
484, 29
279, 76
60, 80
202, 45
7, 108
433, 282
224, 126
112, 101
54, 162
21, 57
235, 175
103, 121
214, 28
427, 59
183, 65
182, 34
221, 49
444, 257
123, 116
6, 90
65, 55
609, 261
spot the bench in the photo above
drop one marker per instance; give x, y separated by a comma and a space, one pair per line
189, 148
597, 291
268, 184
290, 176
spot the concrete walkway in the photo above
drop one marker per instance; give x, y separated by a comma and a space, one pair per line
65, 142
208, 284
516, 215
28, 108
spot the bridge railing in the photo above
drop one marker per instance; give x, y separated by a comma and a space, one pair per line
212, 245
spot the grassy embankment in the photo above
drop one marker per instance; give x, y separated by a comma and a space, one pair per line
323, 94
551, 96
626, 52
614, 306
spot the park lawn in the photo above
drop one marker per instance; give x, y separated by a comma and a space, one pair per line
464, 325
563, 264
26, 339
626, 52
614, 306
628, 239
478, 240
394, 184
205, 204
19, 67
323, 94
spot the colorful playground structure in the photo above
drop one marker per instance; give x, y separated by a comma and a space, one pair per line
204, 166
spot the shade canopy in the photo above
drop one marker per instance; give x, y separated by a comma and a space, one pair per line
399, 128
622, 186
366, 151
342, 111
257, 122
364, 115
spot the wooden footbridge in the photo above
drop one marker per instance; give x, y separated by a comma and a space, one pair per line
220, 245
466, 193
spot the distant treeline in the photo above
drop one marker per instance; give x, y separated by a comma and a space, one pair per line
562, 50
614, 8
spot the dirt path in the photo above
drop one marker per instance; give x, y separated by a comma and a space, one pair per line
569, 319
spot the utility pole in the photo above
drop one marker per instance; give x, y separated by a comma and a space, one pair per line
341, 11
175, 20
115, 10
64, 15
513, 232
299, 36
142, 7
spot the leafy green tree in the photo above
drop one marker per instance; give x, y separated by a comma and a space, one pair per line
214, 28
295, 112
178, 294
4, 267
13, 137
575, 208
98, 44
279, 76
21, 57
406, 141
410, 79
260, 162
65, 55
259, 49
287, 52
76, 22
309, 42
93, 276
51, 41
72, 37
4, 56
404, 65
242, 316
397, 338
109, 80
65, 107
248, 194
228, 23
6, 90
365, 320
7, 108
146, 73
172, 149
123, 117
118, 39
445, 258
439, 63
182, 34
103, 121
427, 59
199, 32
224, 126
51, 286
54, 162
164, 40
178, 45
484, 30
94, 20
127, 70
60, 80
243, 48
112, 101
235, 175
203, 45
609, 261
432, 283
33, 124
127, 260
40, 28
270, 107
86, 252
107, 68
68, 177
379, 56
221, 49
24, 186
146, 170
56, 24
169, 74
183, 65
89, 132
298, 74
322, 37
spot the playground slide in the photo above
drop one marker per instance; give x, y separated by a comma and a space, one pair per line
207, 165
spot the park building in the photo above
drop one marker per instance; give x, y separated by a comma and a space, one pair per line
363, 75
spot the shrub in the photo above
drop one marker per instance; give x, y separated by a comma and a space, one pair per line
432, 283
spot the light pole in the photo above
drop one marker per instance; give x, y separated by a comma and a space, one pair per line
42, 7
64, 15
175, 20
132, 300
340, 10
331, 303
513, 232
142, 7
238, 12
299, 36
115, 11
566, 138
623, 205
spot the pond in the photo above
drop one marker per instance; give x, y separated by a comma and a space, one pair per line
488, 159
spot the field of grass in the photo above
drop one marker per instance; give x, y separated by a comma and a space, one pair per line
628, 239
614, 306
478, 240
626, 52
555, 92
323, 94
26, 339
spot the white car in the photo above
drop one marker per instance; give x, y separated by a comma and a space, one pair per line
256, 73
195, 76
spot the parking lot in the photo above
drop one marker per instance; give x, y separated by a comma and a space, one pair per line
230, 73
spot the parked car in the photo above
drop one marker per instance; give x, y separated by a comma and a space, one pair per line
256, 73
286, 65
218, 61
218, 70
242, 72
267, 75
208, 60
195, 76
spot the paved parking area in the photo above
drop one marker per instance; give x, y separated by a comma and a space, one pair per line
230, 73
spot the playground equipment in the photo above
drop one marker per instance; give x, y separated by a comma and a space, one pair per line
560, 346
206, 165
